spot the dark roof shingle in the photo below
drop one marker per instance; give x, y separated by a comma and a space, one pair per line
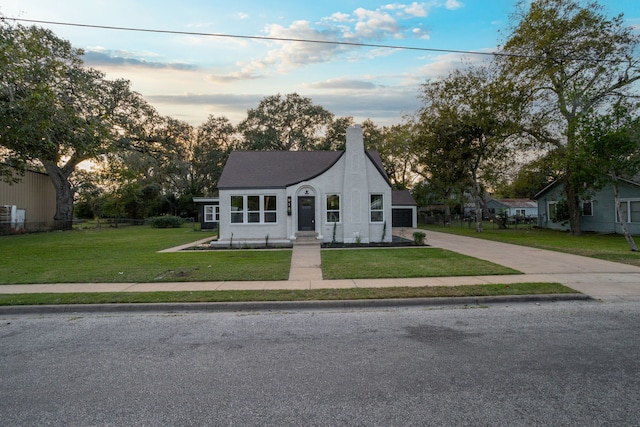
274, 169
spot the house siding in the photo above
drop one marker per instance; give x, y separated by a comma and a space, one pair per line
603, 219
34, 193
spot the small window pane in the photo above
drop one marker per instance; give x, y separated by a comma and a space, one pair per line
269, 203
635, 211
270, 217
253, 216
253, 203
237, 209
376, 201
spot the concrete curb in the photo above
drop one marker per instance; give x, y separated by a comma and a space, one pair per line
283, 305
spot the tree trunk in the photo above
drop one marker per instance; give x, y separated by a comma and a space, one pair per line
478, 207
573, 206
623, 221
63, 218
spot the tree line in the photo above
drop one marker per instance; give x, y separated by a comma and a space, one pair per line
557, 103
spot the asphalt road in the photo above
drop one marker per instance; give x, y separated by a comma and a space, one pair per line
569, 363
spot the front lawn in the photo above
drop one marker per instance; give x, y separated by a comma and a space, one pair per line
610, 247
404, 262
130, 255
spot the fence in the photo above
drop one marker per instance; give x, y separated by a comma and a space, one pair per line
7, 228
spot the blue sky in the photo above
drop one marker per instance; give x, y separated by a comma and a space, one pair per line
191, 77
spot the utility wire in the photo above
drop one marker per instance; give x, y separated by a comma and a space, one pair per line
286, 39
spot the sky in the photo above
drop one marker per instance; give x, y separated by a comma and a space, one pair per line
190, 77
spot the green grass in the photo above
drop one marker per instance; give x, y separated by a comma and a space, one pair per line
609, 247
285, 295
405, 262
129, 254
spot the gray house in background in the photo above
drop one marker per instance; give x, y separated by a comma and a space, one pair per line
514, 207
598, 212
344, 196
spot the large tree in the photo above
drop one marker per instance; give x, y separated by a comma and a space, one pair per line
291, 122
608, 153
466, 124
569, 59
215, 139
54, 111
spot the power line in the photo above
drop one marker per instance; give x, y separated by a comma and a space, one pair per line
287, 39
236, 36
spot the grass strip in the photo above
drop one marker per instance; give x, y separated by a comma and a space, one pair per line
284, 295
403, 263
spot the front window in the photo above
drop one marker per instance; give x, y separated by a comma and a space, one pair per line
253, 205
587, 208
630, 210
333, 208
377, 208
237, 209
211, 213
270, 209
253, 209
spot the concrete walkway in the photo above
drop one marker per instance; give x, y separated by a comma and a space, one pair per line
604, 280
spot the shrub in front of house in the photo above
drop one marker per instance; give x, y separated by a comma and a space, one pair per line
419, 237
166, 222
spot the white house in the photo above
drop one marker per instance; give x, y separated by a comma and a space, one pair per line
342, 196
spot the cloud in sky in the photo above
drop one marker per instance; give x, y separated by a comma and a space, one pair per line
192, 76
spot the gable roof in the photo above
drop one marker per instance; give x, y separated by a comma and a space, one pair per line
280, 169
402, 198
635, 182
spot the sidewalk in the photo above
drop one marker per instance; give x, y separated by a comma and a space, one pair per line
604, 280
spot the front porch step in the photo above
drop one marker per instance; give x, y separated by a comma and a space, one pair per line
305, 234
307, 241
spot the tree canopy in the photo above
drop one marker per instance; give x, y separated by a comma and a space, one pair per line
568, 60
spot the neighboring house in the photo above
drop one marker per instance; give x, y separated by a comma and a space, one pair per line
208, 212
29, 203
514, 207
330, 195
598, 211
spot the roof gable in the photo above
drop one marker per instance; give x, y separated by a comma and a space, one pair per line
274, 169
402, 198
280, 169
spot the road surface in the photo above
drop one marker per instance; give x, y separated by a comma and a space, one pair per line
570, 363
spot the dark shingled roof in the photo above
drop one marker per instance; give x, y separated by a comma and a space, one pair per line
279, 169
402, 198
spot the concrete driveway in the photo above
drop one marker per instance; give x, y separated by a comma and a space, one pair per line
599, 279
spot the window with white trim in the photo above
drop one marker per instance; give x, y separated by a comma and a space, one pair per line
237, 209
630, 210
270, 209
587, 208
376, 208
211, 213
333, 208
254, 209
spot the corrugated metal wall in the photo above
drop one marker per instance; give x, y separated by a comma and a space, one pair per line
34, 193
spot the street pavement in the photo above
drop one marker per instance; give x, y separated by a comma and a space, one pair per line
602, 280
